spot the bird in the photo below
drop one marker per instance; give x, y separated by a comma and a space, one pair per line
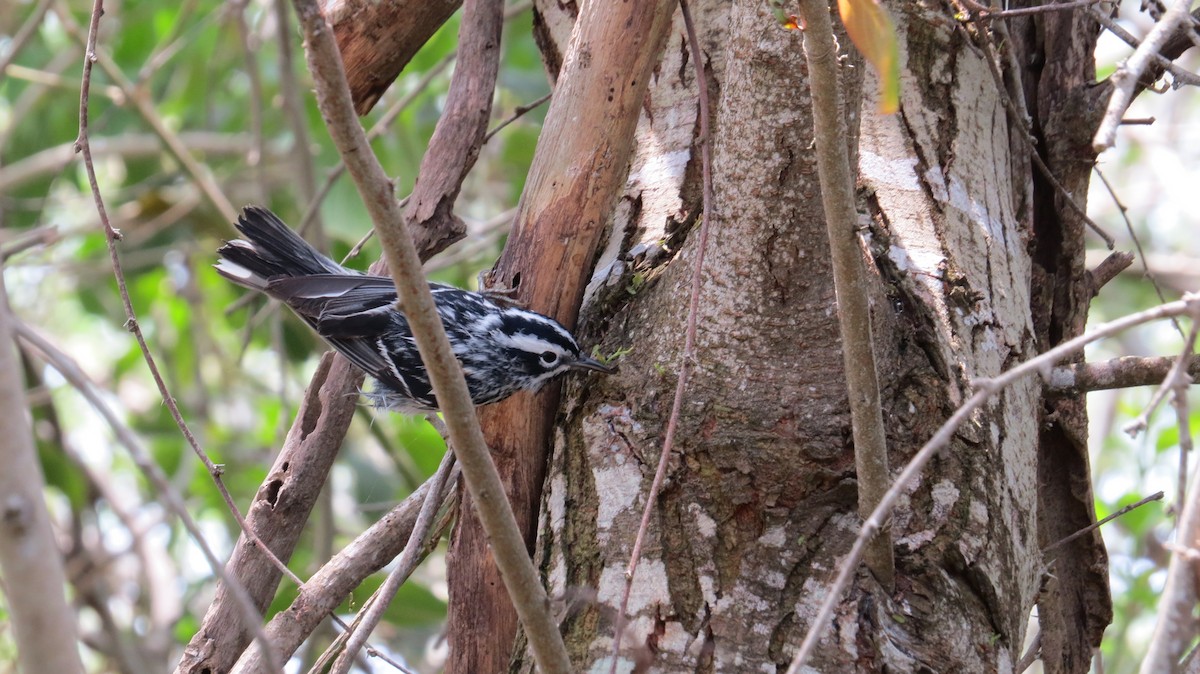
502, 347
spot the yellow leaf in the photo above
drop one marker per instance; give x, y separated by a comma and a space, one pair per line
872, 32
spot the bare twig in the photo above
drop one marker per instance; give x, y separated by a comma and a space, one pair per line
517, 114
404, 567
39, 236
377, 129
985, 389
986, 13
1116, 262
258, 151
1179, 368
444, 370
52, 79
250, 613
1123, 372
293, 109
688, 357
128, 146
850, 281
385, 121
1137, 242
370, 551
1125, 79
1156, 496
75, 375
1031, 654
1181, 76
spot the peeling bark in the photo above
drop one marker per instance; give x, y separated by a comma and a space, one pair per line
759, 503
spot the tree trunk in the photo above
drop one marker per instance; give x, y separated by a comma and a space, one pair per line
758, 508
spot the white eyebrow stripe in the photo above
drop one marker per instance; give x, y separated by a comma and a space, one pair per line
528, 343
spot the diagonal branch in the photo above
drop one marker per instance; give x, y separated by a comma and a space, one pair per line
445, 374
328, 587
1128, 74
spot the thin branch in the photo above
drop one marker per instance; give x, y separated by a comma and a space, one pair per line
70, 371
1182, 363
174, 41
52, 79
1156, 496
850, 281
985, 13
517, 114
687, 360
445, 373
53, 160
1031, 654
45, 235
258, 151
1123, 372
404, 567
1181, 76
985, 389
385, 121
1137, 242
293, 109
320, 596
377, 129
250, 613
1124, 81
1116, 262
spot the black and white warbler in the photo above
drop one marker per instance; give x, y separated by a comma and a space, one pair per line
502, 348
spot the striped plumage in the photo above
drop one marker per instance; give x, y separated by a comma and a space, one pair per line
502, 348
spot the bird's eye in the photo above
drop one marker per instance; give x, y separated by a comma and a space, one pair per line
549, 357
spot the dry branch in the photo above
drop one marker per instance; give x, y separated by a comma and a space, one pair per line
1123, 372
279, 511
1129, 73
378, 38
329, 587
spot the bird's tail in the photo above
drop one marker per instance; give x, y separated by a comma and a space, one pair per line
270, 251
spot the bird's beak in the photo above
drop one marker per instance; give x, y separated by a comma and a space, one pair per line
592, 364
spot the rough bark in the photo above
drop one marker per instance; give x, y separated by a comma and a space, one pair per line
759, 504
1065, 107
575, 177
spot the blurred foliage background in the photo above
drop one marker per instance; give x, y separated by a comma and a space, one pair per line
212, 76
